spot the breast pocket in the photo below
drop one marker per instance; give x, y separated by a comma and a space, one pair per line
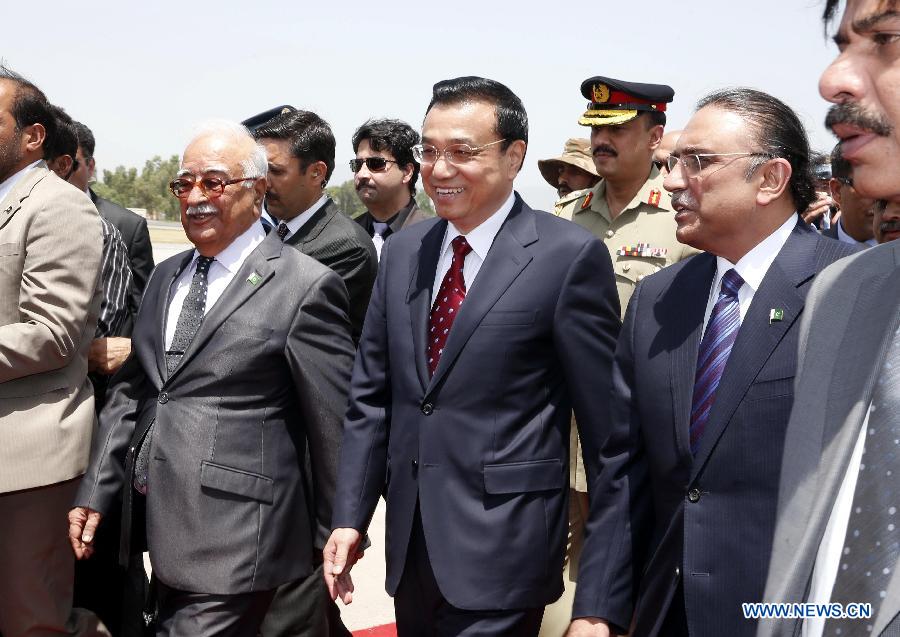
247, 330
506, 317
9, 250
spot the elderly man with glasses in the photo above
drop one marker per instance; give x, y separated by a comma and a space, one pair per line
385, 174
683, 511
241, 362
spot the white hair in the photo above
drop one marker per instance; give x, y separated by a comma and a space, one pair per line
256, 165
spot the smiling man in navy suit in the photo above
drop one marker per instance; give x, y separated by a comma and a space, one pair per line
683, 511
486, 327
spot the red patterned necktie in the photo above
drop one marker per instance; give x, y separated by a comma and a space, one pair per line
449, 298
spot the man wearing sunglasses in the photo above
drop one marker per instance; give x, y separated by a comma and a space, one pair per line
241, 362
684, 510
385, 174
300, 148
855, 224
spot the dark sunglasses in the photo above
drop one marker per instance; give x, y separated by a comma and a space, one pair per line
374, 164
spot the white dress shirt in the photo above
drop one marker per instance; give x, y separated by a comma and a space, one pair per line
846, 238
752, 268
480, 238
221, 272
300, 220
829, 555
11, 181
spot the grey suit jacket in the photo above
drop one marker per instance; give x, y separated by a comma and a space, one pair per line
844, 335
50, 248
264, 379
332, 239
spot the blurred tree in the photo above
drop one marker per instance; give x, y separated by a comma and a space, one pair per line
149, 190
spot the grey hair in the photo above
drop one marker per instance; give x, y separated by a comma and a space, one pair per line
254, 166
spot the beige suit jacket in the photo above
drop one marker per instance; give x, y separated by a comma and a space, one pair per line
50, 250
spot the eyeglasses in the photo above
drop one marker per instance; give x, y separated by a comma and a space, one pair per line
211, 187
693, 164
456, 154
374, 164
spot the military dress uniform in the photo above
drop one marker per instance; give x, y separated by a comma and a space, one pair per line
641, 240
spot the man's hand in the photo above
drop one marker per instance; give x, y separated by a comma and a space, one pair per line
340, 554
818, 208
108, 354
589, 627
82, 529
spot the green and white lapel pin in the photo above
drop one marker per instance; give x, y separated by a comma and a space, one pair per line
776, 314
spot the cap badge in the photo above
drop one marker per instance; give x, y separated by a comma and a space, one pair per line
587, 200
600, 93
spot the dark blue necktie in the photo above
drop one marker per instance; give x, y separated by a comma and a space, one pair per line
715, 347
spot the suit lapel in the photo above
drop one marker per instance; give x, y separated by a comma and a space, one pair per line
690, 303
12, 203
505, 261
312, 228
423, 267
238, 292
758, 337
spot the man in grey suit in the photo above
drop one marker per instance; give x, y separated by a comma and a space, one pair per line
240, 368
836, 537
300, 148
384, 175
50, 249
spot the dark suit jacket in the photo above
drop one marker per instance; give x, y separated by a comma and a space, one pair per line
660, 515
831, 232
411, 214
265, 377
331, 238
483, 444
134, 232
844, 336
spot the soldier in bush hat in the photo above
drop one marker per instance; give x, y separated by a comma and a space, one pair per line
570, 172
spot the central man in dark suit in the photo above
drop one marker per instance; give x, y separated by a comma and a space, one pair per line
486, 327
240, 368
683, 511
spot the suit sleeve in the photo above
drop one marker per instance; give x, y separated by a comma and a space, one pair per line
357, 263
57, 291
363, 463
619, 522
320, 354
140, 253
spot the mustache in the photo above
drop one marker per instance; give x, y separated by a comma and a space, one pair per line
889, 226
683, 198
604, 148
205, 208
855, 115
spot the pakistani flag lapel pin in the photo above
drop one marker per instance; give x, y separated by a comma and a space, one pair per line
776, 314
254, 278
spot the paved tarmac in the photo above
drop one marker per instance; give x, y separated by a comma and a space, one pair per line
371, 605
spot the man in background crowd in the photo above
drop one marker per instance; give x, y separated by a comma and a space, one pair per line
570, 172
384, 175
855, 224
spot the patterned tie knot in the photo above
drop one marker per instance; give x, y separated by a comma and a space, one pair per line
282, 230
460, 247
203, 263
731, 283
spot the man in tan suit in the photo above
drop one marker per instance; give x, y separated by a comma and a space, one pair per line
49, 263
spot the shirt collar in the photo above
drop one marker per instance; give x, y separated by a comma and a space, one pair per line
846, 238
753, 266
482, 236
13, 179
300, 220
233, 256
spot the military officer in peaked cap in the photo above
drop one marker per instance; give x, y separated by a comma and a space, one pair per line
629, 211
571, 172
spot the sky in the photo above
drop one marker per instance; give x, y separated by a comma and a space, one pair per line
143, 75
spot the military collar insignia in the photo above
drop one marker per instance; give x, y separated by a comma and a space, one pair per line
587, 200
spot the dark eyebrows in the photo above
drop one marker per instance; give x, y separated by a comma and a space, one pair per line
869, 22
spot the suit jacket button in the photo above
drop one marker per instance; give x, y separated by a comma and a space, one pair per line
677, 571
163, 398
415, 465
694, 495
427, 409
